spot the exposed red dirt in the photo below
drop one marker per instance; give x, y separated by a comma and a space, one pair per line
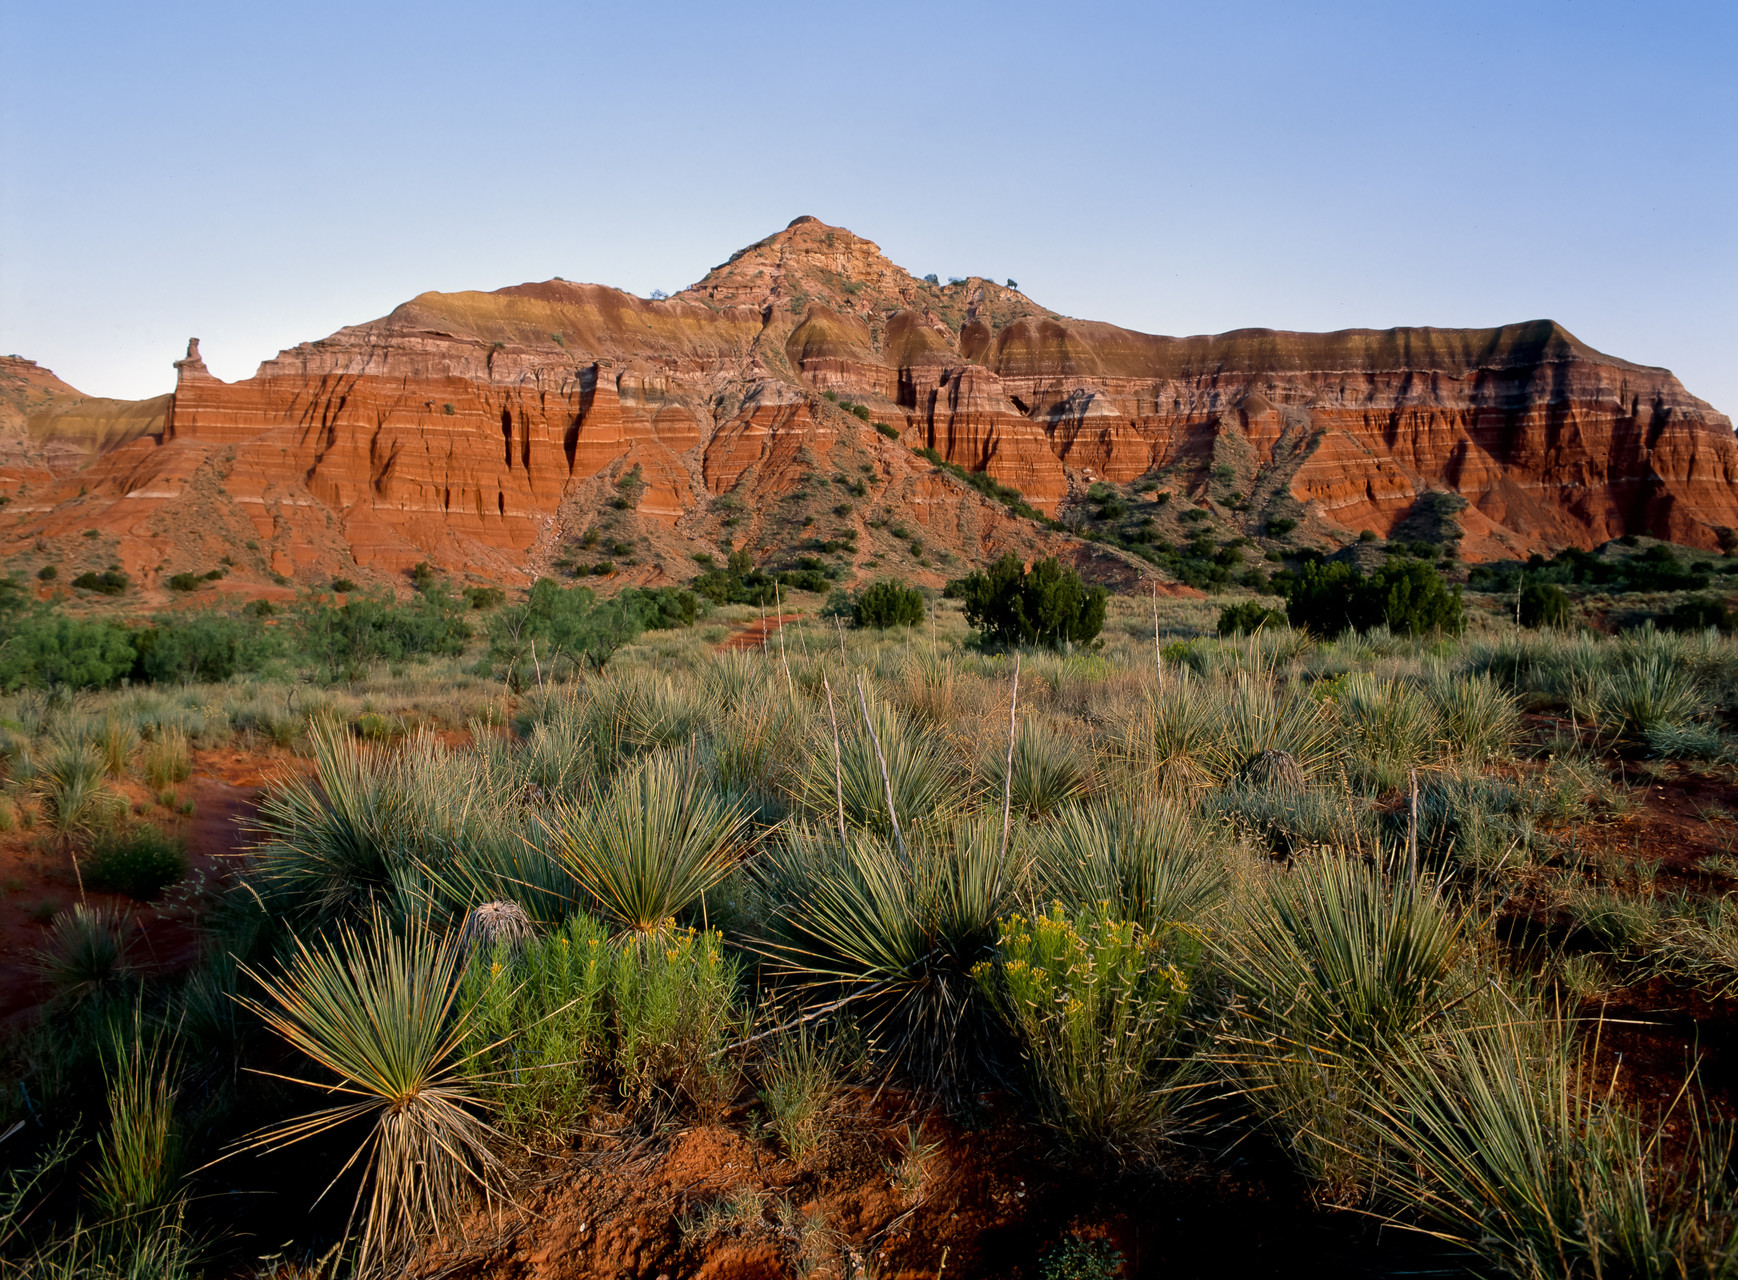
38, 877
989, 1201
755, 634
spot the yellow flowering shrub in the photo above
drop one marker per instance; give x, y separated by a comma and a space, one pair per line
1096, 1004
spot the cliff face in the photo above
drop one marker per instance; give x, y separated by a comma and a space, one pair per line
484, 432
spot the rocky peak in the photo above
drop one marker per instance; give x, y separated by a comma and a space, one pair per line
810, 264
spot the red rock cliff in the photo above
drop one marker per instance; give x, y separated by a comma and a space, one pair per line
461, 428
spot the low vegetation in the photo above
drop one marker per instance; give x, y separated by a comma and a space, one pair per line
1342, 892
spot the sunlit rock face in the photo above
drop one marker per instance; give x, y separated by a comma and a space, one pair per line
461, 428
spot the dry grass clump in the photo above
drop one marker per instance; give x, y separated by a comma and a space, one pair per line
165, 758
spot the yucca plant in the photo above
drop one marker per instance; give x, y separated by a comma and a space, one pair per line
898, 933
1480, 720
1173, 733
631, 712
1339, 948
1466, 820
652, 847
924, 793
1390, 728
326, 837
1646, 693
1508, 1143
1261, 715
1294, 823
1333, 969
86, 954
737, 678
1049, 770
1152, 865
373, 827
378, 1010
752, 752
555, 762
70, 785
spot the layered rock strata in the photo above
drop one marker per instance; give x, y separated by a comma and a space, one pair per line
463, 428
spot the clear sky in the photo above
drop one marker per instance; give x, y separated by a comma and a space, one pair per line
262, 174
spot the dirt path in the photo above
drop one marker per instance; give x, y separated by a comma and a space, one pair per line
37, 878
757, 633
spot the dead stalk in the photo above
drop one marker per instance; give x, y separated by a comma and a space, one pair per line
778, 599
1412, 833
1158, 653
886, 782
1008, 768
838, 768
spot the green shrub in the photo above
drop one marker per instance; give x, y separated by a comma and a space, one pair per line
204, 646
673, 1007
139, 861
48, 573
374, 727
484, 597
44, 648
1097, 1005
888, 603
1698, 614
110, 582
343, 586
1280, 527
1049, 605
1407, 596
1545, 604
984, 484
1250, 615
343, 639
539, 1019
890, 432
1077, 1259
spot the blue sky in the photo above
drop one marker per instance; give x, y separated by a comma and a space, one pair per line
260, 175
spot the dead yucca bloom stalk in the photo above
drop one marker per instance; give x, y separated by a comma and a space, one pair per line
492, 924
377, 1010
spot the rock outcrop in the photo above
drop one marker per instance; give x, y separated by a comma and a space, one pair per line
493, 433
